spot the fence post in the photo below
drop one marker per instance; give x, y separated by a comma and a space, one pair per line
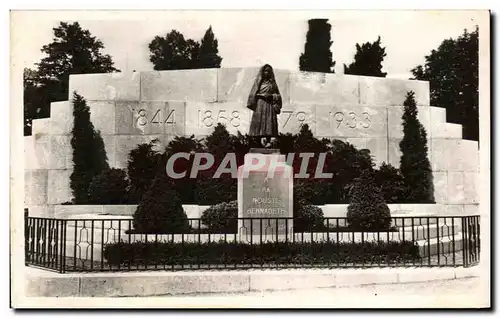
26, 236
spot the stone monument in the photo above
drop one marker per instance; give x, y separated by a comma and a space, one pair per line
265, 181
137, 107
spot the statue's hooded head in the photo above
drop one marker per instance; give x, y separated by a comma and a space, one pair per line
266, 72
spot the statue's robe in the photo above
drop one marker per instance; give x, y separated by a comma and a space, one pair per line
264, 121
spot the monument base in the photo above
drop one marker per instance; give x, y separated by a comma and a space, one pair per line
265, 197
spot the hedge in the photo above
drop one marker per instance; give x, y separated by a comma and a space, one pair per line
280, 253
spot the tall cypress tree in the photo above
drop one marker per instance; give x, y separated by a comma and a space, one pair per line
317, 56
89, 155
414, 163
209, 51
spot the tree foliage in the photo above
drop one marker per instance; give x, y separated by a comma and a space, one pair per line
391, 183
174, 52
109, 187
317, 56
209, 51
89, 154
414, 164
73, 51
367, 60
452, 70
142, 166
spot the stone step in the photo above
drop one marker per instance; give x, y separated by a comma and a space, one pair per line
445, 245
113, 236
41, 126
437, 114
430, 231
115, 230
446, 130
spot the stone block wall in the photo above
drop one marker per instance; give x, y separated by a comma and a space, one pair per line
132, 108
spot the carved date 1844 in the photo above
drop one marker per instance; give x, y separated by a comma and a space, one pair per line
143, 118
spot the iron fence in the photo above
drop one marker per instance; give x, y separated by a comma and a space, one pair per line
112, 244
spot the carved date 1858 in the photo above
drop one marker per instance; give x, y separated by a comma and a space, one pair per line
209, 118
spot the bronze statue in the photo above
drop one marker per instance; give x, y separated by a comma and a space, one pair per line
265, 101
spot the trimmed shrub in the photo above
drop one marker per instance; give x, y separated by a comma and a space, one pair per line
160, 209
284, 253
109, 187
221, 218
391, 183
367, 209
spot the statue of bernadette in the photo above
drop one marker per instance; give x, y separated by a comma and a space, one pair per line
265, 101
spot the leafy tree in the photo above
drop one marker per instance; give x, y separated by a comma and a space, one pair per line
347, 163
391, 183
30, 99
186, 186
452, 70
367, 60
219, 142
73, 51
174, 52
142, 166
208, 57
210, 190
414, 163
317, 56
89, 154
109, 187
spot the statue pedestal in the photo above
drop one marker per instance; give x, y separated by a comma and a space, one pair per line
265, 197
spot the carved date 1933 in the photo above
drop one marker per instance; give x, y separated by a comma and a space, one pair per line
350, 119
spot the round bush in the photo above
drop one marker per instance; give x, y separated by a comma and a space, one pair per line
367, 209
108, 187
308, 218
221, 217
160, 210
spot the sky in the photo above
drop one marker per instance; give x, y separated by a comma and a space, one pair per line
249, 39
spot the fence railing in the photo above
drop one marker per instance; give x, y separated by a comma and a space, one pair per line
111, 244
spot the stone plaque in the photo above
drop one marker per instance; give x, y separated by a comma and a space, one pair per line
265, 198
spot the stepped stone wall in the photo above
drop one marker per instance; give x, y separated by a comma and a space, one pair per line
132, 108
